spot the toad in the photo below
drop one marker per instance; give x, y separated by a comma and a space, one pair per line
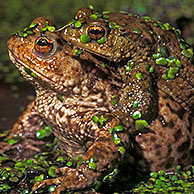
100, 88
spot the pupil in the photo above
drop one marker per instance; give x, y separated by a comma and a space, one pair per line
95, 31
42, 42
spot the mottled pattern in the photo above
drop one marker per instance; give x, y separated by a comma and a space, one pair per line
169, 141
73, 86
137, 39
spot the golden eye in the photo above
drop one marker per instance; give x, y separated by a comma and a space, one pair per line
43, 45
96, 32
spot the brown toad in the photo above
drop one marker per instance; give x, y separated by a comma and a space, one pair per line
98, 110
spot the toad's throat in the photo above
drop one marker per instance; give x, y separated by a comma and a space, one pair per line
22, 66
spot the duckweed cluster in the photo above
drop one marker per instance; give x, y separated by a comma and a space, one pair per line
28, 30
163, 59
20, 175
177, 182
23, 174
100, 120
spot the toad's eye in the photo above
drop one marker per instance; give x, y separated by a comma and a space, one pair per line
96, 32
43, 45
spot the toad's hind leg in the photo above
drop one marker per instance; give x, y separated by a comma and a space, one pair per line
170, 140
100, 158
25, 129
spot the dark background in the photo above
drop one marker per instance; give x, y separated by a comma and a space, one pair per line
15, 15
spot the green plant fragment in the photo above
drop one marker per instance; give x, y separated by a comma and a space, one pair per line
122, 150
38, 178
117, 141
172, 72
135, 104
137, 30
161, 61
85, 38
112, 25
136, 115
103, 65
94, 16
52, 170
101, 40
128, 69
70, 163
140, 124
113, 100
164, 51
164, 76
167, 26
106, 16
153, 174
60, 97
118, 128
151, 70
33, 25
14, 179
40, 134
95, 118
138, 75
77, 52
187, 53
11, 141
25, 191
52, 188
78, 24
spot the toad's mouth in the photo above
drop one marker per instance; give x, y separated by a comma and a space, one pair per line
28, 72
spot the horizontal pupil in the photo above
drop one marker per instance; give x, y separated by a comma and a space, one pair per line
95, 31
42, 42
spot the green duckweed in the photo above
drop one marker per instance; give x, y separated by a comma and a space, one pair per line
187, 53
38, 178
52, 188
78, 24
60, 97
101, 40
103, 65
94, 16
52, 170
140, 124
137, 30
138, 75
106, 16
92, 163
128, 69
43, 132
99, 119
114, 100
135, 104
77, 52
172, 72
85, 38
161, 61
136, 115
122, 150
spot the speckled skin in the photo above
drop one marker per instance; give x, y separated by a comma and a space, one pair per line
87, 89
127, 43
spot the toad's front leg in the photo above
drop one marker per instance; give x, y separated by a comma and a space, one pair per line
101, 157
24, 130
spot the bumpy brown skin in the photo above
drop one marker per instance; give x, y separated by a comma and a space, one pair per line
137, 40
87, 89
